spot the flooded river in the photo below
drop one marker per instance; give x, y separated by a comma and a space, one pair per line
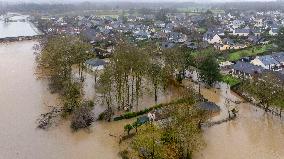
23, 98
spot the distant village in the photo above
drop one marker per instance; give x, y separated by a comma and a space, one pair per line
226, 32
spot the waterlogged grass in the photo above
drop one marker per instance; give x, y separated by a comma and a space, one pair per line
252, 51
230, 80
129, 115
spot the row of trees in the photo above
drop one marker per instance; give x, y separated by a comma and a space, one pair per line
132, 70
55, 61
268, 89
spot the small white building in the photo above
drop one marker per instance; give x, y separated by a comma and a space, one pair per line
241, 32
95, 64
273, 32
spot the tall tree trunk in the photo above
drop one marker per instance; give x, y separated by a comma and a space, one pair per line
138, 78
128, 92
132, 92
155, 91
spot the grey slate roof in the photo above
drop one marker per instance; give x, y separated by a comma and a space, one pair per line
248, 68
274, 30
268, 60
242, 31
96, 62
208, 106
278, 56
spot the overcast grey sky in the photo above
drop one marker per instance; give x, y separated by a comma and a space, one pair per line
66, 1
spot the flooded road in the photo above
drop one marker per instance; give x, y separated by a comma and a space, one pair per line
253, 135
23, 98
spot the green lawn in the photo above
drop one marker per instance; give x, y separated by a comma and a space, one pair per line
230, 80
248, 52
195, 9
110, 13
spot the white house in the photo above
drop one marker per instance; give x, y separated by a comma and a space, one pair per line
273, 32
212, 38
267, 62
241, 32
258, 22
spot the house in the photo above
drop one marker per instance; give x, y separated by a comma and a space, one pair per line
256, 32
222, 47
279, 57
246, 70
95, 64
241, 32
141, 35
258, 22
273, 31
212, 38
256, 39
191, 45
218, 31
237, 23
160, 24
266, 62
237, 46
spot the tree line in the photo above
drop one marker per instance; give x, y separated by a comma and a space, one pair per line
55, 61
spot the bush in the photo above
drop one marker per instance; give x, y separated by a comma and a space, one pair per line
230, 80
106, 115
124, 154
128, 128
82, 118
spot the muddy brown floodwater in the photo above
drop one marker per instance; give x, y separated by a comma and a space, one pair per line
253, 135
23, 98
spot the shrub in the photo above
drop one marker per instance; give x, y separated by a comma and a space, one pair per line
124, 154
128, 128
82, 118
